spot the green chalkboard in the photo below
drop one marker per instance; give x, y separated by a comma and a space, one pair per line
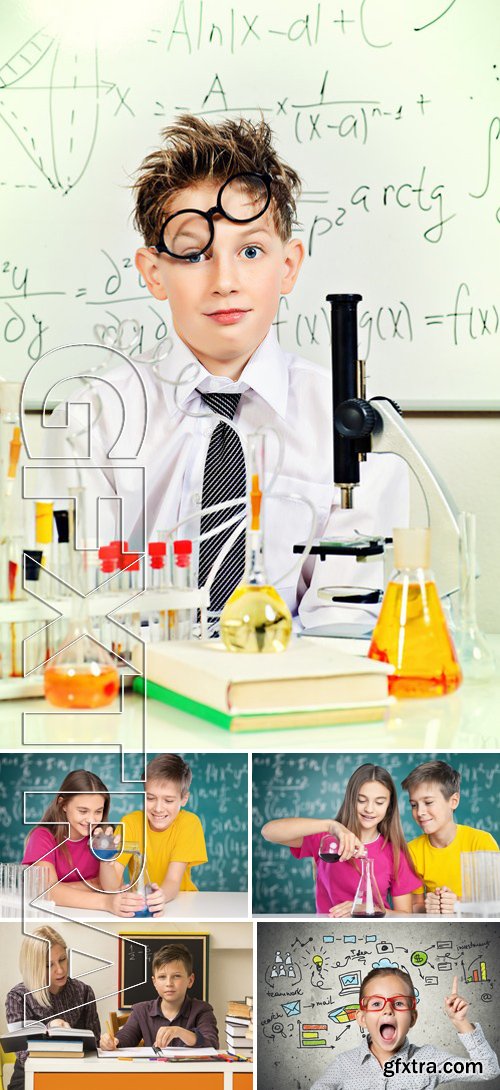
218, 795
290, 784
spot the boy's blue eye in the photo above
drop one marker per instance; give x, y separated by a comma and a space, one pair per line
194, 259
251, 251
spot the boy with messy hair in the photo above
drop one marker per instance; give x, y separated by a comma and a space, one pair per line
434, 791
175, 841
216, 205
387, 1011
173, 1019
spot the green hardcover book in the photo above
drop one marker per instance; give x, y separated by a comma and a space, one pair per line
309, 685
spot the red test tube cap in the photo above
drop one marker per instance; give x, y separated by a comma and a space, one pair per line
182, 553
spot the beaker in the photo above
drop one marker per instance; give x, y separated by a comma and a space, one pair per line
411, 631
368, 899
329, 849
255, 618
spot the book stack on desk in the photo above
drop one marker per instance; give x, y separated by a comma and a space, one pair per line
310, 684
56, 1050
239, 1027
49, 1042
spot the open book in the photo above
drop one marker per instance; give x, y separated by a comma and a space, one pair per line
21, 1037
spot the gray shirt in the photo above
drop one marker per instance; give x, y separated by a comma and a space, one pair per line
358, 1069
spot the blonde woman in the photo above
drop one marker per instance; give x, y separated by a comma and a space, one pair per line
47, 994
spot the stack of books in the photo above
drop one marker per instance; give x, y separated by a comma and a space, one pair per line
55, 1050
239, 1027
310, 685
49, 1042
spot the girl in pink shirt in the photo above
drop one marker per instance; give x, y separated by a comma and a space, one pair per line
368, 823
61, 844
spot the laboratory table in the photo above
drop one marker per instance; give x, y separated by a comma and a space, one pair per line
468, 719
97, 1073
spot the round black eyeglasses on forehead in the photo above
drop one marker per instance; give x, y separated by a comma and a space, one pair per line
188, 233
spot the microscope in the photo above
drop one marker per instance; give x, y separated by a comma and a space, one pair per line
362, 428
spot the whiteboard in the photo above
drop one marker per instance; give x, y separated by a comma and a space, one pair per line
308, 979
389, 111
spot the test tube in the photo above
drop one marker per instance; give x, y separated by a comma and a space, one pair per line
36, 647
183, 578
61, 553
157, 580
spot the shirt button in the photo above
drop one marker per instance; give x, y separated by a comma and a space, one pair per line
196, 498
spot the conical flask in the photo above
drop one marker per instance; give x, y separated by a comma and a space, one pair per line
411, 631
255, 618
368, 899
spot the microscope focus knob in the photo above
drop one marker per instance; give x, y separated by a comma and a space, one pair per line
355, 418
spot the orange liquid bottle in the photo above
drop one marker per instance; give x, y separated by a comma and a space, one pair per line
411, 631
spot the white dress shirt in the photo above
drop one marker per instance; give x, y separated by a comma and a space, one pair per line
280, 391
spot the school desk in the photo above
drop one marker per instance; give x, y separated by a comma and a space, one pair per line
467, 719
94, 1073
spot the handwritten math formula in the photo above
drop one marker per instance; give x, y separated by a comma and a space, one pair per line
397, 144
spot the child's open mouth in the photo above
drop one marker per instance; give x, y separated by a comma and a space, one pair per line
388, 1032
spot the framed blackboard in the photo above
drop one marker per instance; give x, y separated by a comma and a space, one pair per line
137, 949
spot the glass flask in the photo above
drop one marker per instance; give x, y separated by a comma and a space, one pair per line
411, 631
82, 673
106, 842
255, 619
368, 899
143, 887
476, 658
329, 848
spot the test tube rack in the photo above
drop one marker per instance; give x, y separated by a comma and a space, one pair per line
25, 611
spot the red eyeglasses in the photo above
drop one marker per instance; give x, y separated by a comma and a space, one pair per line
375, 1003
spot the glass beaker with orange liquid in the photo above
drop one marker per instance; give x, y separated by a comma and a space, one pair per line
411, 631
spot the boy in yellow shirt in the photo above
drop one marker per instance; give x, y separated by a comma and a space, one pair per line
174, 837
434, 791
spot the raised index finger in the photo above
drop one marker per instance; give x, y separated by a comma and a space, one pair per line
454, 988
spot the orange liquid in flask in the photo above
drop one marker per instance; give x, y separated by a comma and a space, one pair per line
412, 635
81, 686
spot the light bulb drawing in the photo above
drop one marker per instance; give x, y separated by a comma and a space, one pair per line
318, 962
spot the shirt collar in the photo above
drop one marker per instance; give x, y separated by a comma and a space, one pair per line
367, 1053
156, 1011
266, 373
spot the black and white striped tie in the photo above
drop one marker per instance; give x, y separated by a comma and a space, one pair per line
224, 478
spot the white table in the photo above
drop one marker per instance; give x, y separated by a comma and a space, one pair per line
466, 720
199, 905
